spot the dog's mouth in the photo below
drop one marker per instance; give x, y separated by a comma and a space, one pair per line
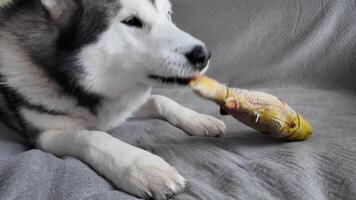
177, 79
171, 80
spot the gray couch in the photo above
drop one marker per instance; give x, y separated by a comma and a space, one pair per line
300, 50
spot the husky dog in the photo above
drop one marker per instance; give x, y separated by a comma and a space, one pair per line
72, 69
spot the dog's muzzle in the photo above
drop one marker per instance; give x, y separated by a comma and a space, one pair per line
198, 57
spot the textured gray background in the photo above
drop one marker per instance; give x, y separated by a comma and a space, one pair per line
300, 50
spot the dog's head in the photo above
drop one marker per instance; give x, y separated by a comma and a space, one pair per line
128, 41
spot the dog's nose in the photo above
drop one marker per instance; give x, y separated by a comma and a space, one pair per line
199, 57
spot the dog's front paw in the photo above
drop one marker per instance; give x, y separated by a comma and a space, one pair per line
150, 177
197, 124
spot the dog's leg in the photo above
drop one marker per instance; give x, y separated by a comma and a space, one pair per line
190, 121
131, 169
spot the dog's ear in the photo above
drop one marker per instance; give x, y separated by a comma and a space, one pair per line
61, 11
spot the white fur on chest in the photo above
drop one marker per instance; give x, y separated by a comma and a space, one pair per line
115, 111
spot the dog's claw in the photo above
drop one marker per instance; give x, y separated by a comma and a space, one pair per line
152, 178
169, 195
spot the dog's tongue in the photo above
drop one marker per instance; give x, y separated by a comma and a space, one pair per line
209, 88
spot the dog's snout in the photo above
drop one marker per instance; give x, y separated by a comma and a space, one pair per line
199, 57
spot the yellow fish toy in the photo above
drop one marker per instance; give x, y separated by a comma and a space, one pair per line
259, 110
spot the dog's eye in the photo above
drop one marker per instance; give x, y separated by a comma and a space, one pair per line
133, 21
169, 15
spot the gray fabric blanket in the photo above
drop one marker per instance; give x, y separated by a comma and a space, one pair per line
300, 50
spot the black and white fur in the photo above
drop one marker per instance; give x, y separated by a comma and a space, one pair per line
72, 69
